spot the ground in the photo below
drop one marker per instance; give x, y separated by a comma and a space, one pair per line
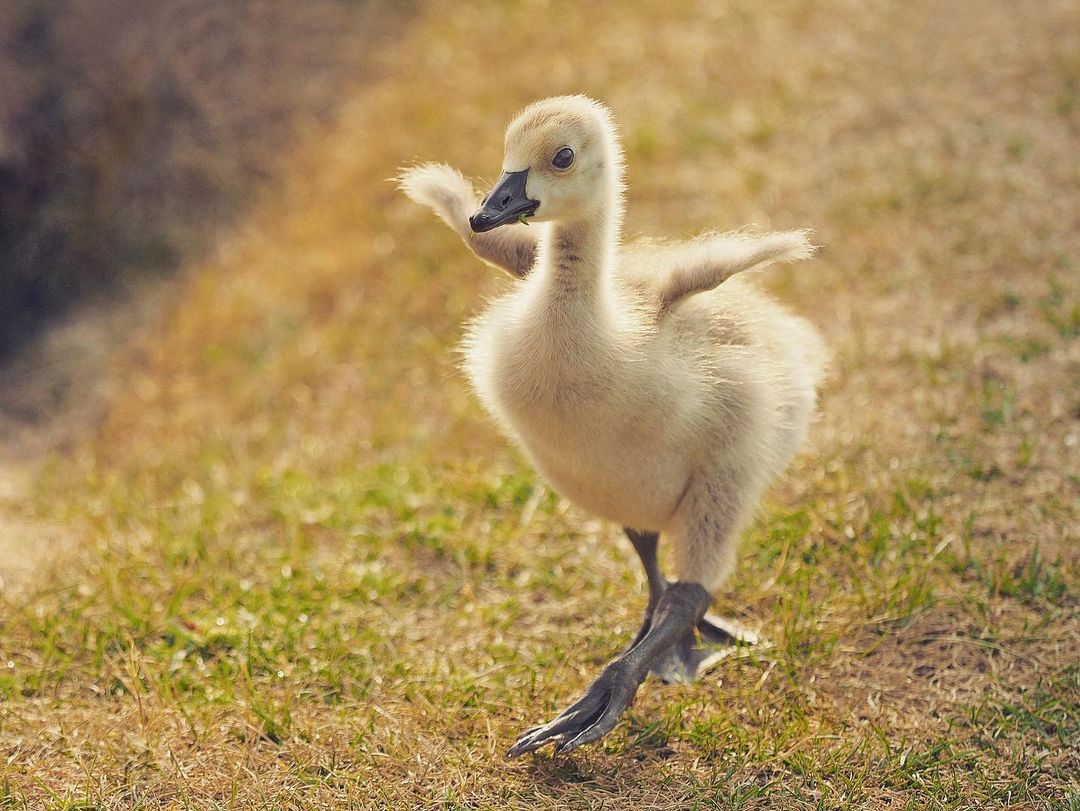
296, 567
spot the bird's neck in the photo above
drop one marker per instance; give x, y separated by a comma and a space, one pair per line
577, 258
572, 318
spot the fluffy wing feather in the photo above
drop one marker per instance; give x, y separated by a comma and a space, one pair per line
450, 195
674, 271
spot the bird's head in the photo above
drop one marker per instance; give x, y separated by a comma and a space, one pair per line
561, 161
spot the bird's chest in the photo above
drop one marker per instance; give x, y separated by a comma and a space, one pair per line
621, 471
594, 429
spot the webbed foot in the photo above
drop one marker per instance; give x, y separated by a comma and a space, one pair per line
589, 719
678, 611
714, 639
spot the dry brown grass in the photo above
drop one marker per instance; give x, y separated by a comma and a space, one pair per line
294, 454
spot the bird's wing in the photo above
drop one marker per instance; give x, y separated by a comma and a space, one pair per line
673, 271
446, 191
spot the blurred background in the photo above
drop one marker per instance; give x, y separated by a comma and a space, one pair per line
130, 135
259, 546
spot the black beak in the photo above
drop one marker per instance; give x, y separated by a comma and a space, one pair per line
505, 203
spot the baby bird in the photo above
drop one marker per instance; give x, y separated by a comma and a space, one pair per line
643, 381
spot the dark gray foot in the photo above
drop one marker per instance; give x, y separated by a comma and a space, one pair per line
592, 717
695, 652
714, 639
678, 611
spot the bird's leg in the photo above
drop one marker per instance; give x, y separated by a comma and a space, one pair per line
645, 544
687, 659
678, 610
667, 646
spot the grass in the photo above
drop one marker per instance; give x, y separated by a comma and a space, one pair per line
300, 569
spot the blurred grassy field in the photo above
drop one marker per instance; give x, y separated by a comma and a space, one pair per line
128, 131
297, 568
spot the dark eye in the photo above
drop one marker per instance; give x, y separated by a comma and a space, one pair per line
563, 158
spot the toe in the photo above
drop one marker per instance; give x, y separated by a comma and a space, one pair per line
590, 718
569, 723
538, 736
721, 631
621, 698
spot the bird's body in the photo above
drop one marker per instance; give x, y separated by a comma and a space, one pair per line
621, 406
646, 384
577, 384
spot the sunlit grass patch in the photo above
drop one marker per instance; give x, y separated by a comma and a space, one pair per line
305, 572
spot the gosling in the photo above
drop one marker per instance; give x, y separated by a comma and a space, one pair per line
643, 381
